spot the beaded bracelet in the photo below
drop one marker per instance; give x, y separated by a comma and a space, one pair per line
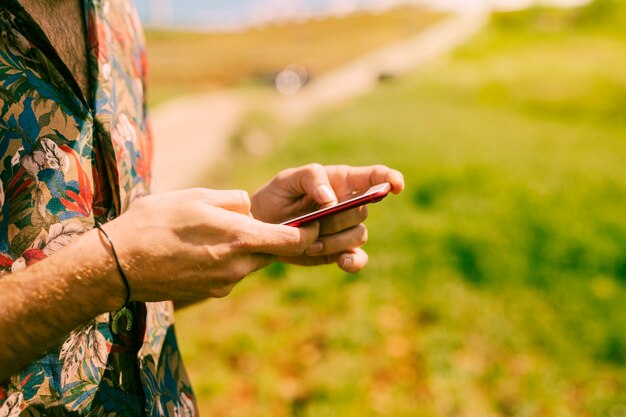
124, 311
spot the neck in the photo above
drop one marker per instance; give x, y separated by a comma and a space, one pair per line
62, 21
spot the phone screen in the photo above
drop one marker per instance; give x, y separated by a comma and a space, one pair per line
350, 201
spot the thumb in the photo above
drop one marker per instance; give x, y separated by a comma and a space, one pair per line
280, 240
314, 182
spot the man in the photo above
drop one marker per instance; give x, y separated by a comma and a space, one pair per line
86, 320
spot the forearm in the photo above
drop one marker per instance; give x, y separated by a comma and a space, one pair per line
184, 245
45, 302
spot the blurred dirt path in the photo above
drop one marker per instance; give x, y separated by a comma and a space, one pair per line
364, 74
192, 133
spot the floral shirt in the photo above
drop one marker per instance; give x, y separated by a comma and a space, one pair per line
66, 163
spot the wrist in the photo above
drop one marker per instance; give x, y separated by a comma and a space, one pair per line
52, 297
101, 280
120, 270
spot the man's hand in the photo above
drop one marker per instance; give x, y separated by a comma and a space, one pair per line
184, 246
198, 243
297, 190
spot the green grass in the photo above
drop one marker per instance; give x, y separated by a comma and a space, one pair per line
191, 63
497, 280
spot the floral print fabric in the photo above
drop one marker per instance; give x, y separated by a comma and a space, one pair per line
66, 163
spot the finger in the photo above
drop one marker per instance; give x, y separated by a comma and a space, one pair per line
247, 264
353, 261
277, 239
313, 181
232, 200
339, 242
342, 221
306, 260
350, 261
346, 179
220, 282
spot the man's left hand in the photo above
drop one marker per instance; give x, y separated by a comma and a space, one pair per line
306, 188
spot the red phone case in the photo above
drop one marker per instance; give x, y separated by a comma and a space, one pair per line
372, 195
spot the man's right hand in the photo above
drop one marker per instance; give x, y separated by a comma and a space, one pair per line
184, 245
197, 243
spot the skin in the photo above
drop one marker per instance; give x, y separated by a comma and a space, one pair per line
59, 19
184, 246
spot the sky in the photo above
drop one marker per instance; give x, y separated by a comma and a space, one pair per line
235, 14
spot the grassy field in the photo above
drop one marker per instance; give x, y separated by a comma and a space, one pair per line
254, 57
497, 281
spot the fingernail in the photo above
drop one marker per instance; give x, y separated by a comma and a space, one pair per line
346, 262
317, 247
325, 194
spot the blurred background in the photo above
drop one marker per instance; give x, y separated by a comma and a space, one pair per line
497, 280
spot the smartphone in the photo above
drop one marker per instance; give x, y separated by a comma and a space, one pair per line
373, 195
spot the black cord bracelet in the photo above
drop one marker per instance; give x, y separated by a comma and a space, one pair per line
117, 262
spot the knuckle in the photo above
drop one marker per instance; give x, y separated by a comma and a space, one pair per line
244, 197
362, 213
284, 175
364, 236
331, 224
300, 248
328, 227
307, 172
315, 169
196, 207
222, 291
330, 259
238, 272
198, 192
241, 268
294, 246
315, 166
200, 196
379, 171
